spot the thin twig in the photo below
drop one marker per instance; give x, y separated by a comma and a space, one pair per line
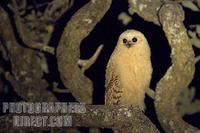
59, 90
85, 64
56, 6
150, 93
20, 27
38, 6
197, 59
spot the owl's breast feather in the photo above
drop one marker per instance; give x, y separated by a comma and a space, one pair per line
134, 69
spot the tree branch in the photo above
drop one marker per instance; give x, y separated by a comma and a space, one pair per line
197, 59
104, 117
85, 64
57, 8
150, 93
179, 75
147, 9
68, 54
21, 32
28, 83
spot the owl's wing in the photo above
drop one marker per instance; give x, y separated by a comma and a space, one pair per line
113, 88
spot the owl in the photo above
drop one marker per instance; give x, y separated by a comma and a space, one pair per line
129, 70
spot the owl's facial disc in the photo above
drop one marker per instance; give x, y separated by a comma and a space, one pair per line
129, 42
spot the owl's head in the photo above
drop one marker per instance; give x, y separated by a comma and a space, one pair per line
131, 38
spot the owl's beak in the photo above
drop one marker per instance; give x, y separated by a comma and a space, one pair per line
129, 44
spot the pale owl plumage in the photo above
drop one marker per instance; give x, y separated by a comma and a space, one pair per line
129, 70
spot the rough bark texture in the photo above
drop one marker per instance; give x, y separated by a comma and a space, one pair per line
27, 70
68, 52
104, 117
147, 9
179, 75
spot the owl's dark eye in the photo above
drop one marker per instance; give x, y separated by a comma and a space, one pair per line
124, 40
134, 39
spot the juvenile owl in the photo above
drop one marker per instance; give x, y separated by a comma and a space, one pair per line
129, 70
